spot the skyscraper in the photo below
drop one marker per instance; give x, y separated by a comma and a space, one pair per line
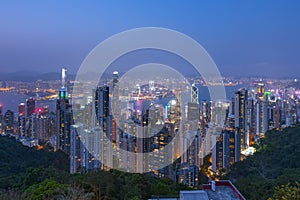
9, 122
1, 120
226, 151
64, 117
102, 107
260, 88
193, 112
115, 104
241, 115
178, 108
75, 148
21, 109
262, 124
21, 125
104, 121
30, 106
251, 119
194, 94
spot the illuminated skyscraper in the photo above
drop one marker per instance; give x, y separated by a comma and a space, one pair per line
43, 124
194, 94
193, 111
277, 115
103, 108
21, 109
77, 149
64, 117
1, 120
262, 124
241, 115
30, 106
226, 151
187, 175
104, 120
178, 108
251, 119
22, 125
9, 122
261, 88
116, 108
115, 80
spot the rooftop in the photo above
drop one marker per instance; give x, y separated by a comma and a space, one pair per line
218, 190
224, 190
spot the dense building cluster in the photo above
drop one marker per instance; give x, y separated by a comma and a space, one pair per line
131, 130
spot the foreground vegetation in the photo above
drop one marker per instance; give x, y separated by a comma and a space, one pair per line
273, 172
27, 173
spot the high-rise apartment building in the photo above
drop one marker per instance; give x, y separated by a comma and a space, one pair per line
9, 122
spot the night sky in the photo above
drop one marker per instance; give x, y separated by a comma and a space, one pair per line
245, 38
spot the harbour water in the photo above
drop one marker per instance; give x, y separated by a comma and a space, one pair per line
11, 100
204, 93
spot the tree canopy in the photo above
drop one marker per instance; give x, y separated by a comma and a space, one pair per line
276, 163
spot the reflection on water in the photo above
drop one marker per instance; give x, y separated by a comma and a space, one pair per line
204, 93
11, 100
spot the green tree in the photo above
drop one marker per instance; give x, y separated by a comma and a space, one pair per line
48, 189
287, 192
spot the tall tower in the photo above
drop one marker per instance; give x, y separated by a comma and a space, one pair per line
193, 112
194, 94
30, 106
102, 105
178, 108
64, 117
104, 119
260, 88
21, 119
261, 116
116, 109
241, 98
1, 119
21, 109
63, 77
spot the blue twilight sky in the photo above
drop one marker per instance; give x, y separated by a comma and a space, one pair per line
245, 38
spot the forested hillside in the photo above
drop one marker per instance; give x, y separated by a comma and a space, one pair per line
273, 170
28, 173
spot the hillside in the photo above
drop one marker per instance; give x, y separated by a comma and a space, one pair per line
27, 173
16, 159
275, 165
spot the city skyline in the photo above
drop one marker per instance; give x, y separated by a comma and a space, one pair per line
105, 128
150, 100
249, 39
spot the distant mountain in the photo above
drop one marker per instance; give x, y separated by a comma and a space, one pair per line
29, 76
53, 76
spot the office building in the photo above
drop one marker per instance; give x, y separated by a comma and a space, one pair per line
64, 117
21, 109
241, 116
30, 105
226, 150
1, 120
